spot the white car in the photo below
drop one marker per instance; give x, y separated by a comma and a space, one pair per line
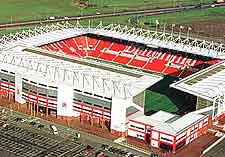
54, 129
5, 125
52, 18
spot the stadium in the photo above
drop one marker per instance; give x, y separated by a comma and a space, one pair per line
102, 74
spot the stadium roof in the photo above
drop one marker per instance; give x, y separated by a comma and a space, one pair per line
55, 32
62, 68
207, 83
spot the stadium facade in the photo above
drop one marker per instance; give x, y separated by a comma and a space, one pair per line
102, 72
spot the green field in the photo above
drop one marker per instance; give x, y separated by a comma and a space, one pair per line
16, 10
186, 16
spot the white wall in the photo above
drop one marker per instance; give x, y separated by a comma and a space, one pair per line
136, 134
118, 114
65, 101
18, 88
155, 135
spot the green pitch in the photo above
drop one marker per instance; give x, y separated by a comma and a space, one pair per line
161, 97
155, 101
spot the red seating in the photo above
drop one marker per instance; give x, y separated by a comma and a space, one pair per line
122, 59
137, 63
117, 47
163, 62
107, 56
92, 42
80, 41
171, 70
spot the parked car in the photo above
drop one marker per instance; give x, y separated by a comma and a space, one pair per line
54, 129
5, 125
52, 18
19, 119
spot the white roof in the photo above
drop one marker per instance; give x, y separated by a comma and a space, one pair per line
180, 124
207, 83
153, 120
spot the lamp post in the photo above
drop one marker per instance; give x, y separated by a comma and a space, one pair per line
188, 32
173, 25
156, 24
181, 27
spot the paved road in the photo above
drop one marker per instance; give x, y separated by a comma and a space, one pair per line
125, 13
217, 151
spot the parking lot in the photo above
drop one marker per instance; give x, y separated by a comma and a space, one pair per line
20, 142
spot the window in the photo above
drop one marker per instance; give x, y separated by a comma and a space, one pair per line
42, 101
33, 91
50, 103
33, 82
107, 108
181, 137
11, 81
205, 122
54, 97
97, 113
4, 70
166, 139
25, 89
140, 136
108, 98
97, 95
87, 103
77, 100
77, 107
88, 93
89, 110
136, 127
25, 79
42, 94
5, 80
97, 105
42, 85
33, 98
77, 90
53, 87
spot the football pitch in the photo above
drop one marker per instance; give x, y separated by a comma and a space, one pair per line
155, 101
161, 97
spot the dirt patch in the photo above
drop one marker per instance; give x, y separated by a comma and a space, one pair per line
80, 3
213, 30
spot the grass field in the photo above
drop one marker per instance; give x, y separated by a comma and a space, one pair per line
16, 10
